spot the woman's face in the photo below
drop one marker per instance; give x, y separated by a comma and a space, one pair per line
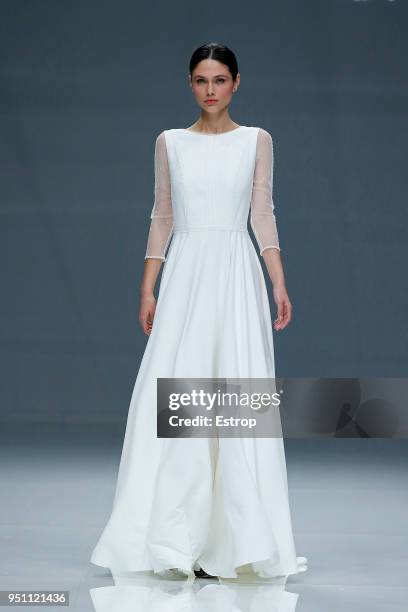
212, 85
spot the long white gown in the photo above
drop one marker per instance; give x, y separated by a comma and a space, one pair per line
216, 503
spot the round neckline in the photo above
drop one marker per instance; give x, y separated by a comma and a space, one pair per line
219, 134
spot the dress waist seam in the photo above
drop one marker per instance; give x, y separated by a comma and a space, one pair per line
197, 228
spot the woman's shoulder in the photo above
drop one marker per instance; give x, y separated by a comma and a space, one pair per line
263, 133
161, 135
165, 136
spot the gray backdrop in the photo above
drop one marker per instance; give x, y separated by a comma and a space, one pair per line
85, 89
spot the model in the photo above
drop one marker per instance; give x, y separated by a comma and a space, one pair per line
215, 506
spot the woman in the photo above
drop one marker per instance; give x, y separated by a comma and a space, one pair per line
204, 506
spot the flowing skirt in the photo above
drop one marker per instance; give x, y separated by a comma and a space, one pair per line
216, 503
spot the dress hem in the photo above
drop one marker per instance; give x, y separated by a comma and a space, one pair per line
188, 571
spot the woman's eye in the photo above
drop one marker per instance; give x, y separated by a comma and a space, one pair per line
218, 80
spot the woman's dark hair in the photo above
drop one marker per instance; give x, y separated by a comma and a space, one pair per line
213, 50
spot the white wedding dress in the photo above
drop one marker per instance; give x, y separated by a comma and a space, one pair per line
216, 503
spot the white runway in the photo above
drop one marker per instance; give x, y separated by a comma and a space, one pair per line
348, 498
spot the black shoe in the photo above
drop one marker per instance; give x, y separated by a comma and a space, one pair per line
202, 574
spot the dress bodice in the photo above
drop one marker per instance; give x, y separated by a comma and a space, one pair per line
210, 181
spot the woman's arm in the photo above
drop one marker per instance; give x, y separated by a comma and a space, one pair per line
263, 223
160, 232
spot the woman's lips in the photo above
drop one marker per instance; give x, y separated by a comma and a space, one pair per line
211, 101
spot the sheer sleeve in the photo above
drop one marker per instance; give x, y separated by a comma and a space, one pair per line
161, 224
262, 217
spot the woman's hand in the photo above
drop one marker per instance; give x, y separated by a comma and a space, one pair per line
283, 305
146, 312
272, 258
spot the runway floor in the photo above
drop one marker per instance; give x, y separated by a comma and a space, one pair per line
349, 500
